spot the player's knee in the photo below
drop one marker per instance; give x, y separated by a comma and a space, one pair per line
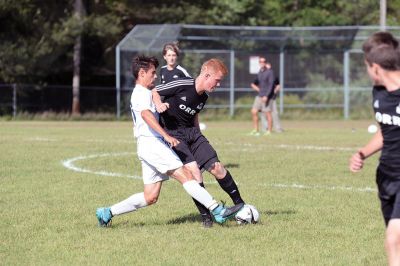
151, 198
218, 170
392, 239
187, 173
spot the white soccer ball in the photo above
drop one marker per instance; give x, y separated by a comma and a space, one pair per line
202, 126
247, 215
372, 128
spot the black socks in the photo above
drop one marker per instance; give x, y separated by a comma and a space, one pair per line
205, 213
229, 186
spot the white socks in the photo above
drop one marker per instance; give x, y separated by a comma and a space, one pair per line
200, 194
131, 204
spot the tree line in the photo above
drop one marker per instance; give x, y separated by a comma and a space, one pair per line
73, 41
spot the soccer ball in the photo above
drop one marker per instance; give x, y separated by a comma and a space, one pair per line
372, 128
247, 215
202, 126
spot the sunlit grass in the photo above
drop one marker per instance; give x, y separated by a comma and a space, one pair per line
313, 210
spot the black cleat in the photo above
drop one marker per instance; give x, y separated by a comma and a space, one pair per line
222, 213
207, 222
231, 211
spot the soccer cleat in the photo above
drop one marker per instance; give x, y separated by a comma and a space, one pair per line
104, 216
254, 133
207, 222
222, 213
267, 133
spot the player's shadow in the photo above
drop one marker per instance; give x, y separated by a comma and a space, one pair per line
232, 165
189, 218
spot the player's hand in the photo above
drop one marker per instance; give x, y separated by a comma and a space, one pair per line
171, 141
356, 162
162, 107
264, 99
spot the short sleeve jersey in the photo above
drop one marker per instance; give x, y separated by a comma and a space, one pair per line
141, 99
265, 81
387, 113
184, 103
174, 74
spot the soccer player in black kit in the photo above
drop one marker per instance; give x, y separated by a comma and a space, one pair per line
183, 100
382, 59
171, 71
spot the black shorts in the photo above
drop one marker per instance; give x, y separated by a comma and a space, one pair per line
194, 146
389, 194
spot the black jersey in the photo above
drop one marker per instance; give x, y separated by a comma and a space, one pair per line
387, 112
184, 103
176, 73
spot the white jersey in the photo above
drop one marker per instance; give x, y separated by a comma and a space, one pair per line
142, 99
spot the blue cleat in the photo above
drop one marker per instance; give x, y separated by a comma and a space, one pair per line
104, 216
222, 213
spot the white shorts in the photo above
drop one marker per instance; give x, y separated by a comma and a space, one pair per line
157, 158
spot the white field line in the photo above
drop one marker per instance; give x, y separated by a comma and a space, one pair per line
69, 164
305, 187
295, 147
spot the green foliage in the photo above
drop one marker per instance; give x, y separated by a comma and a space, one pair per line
38, 39
37, 36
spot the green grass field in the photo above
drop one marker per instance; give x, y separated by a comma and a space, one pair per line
313, 210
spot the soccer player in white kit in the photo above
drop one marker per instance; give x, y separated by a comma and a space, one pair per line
154, 151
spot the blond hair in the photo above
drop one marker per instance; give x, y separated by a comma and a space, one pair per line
216, 65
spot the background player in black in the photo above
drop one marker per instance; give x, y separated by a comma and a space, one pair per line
183, 100
171, 71
382, 58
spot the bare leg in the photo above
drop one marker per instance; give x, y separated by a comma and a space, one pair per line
275, 117
392, 242
254, 115
269, 119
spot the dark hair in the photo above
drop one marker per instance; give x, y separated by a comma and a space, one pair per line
382, 49
171, 46
143, 62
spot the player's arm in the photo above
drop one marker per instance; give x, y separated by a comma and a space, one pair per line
277, 88
160, 106
254, 85
374, 145
150, 119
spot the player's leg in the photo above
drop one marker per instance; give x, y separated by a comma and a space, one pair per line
204, 212
220, 213
166, 162
389, 195
275, 117
148, 197
184, 153
392, 242
268, 115
254, 115
207, 159
226, 182
152, 180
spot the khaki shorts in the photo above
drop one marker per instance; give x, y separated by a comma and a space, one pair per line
260, 106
